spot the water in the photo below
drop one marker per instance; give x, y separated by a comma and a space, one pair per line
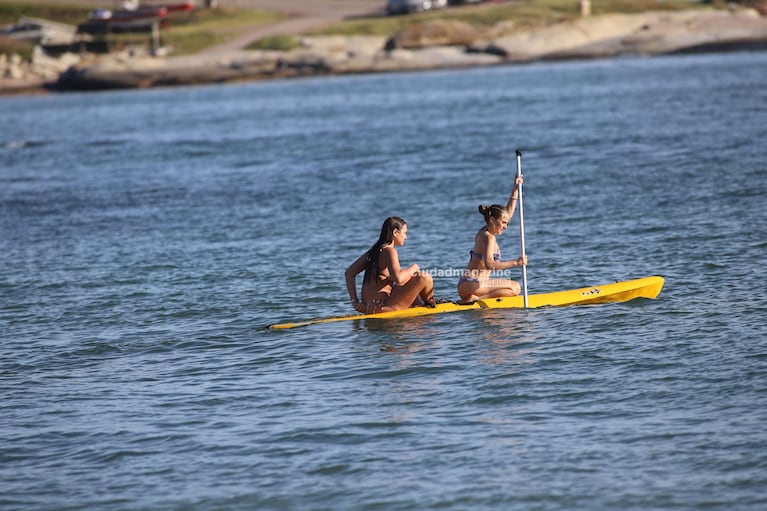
147, 237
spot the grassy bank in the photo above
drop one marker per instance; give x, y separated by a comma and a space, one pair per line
202, 29
524, 14
210, 27
70, 13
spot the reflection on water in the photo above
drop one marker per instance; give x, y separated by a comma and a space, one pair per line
403, 336
508, 337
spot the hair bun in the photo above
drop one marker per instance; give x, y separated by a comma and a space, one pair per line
492, 211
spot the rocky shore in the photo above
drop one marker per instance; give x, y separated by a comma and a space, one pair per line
431, 45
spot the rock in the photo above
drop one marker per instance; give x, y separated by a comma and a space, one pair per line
49, 68
649, 33
14, 72
435, 33
344, 46
429, 58
530, 44
303, 64
186, 70
428, 45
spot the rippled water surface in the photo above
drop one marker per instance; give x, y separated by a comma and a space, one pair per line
148, 237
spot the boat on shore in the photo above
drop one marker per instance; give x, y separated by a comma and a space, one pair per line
122, 20
131, 19
39, 31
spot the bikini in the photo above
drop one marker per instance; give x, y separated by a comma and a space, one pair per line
376, 304
481, 257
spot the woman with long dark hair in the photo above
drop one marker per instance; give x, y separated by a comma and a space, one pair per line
485, 257
386, 286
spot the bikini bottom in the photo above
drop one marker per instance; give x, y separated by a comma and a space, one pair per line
374, 306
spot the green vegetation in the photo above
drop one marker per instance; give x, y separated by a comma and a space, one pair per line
10, 46
635, 6
277, 42
210, 27
524, 14
187, 34
204, 28
10, 12
71, 13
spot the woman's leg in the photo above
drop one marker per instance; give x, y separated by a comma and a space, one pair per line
497, 288
405, 295
427, 291
467, 290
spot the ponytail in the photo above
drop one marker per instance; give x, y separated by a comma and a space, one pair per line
372, 266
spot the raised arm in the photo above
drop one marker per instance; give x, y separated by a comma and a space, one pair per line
513, 198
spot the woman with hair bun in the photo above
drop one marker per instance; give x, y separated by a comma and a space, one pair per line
386, 286
477, 282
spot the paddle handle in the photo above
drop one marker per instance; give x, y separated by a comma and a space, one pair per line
521, 227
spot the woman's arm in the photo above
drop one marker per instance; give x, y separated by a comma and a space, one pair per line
352, 271
491, 247
504, 265
397, 275
514, 197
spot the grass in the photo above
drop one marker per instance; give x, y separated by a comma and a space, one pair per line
277, 42
211, 27
205, 28
190, 34
10, 46
72, 14
524, 14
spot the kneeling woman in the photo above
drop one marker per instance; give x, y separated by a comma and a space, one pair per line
386, 286
477, 282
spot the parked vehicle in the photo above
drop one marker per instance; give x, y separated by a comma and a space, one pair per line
408, 6
39, 31
26, 31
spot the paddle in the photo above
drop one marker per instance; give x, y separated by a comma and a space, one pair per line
522, 227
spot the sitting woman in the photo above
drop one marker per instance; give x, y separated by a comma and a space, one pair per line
477, 282
386, 286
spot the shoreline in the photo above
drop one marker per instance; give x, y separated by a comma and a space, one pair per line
434, 45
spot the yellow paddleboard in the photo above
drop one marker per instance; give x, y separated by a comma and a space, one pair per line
648, 287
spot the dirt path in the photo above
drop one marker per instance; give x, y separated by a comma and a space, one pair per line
304, 15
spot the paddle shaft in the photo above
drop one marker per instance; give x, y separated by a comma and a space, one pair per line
521, 227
